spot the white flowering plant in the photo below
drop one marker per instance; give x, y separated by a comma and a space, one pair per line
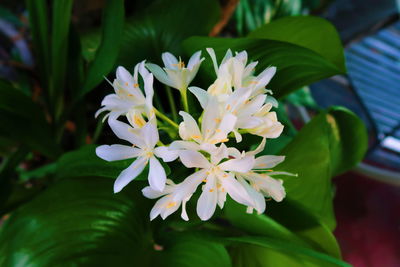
163, 146
236, 102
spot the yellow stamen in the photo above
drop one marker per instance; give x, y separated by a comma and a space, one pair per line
171, 204
224, 140
126, 84
195, 136
217, 120
211, 190
139, 121
135, 85
180, 64
228, 107
218, 130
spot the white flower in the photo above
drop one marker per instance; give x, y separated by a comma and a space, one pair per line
233, 72
262, 184
252, 113
269, 126
248, 102
218, 178
143, 142
173, 196
128, 96
175, 74
215, 128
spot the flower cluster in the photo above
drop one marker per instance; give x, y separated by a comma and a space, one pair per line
236, 103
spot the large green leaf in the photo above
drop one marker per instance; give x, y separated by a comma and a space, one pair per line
306, 225
263, 251
107, 53
319, 151
258, 224
80, 222
314, 33
278, 223
24, 121
162, 27
297, 66
192, 250
84, 162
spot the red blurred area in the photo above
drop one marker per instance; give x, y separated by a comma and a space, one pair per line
368, 221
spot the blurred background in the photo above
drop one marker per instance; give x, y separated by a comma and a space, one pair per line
367, 199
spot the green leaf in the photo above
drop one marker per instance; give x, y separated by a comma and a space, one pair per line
297, 66
314, 33
259, 254
306, 225
107, 53
316, 154
278, 223
80, 222
163, 26
190, 250
23, 121
258, 224
84, 162
59, 46
40, 36
352, 136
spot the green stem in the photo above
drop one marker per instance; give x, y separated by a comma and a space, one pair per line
166, 119
158, 103
184, 100
172, 103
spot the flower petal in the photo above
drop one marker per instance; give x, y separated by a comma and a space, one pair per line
123, 75
257, 198
265, 77
236, 190
184, 145
166, 153
160, 74
151, 193
193, 159
208, 199
169, 60
125, 132
157, 176
267, 161
194, 59
188, 129
274, 188
201, 95
164, 207
130, 173
189, 185
244, 164
150, 135
213, 58
117, 152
